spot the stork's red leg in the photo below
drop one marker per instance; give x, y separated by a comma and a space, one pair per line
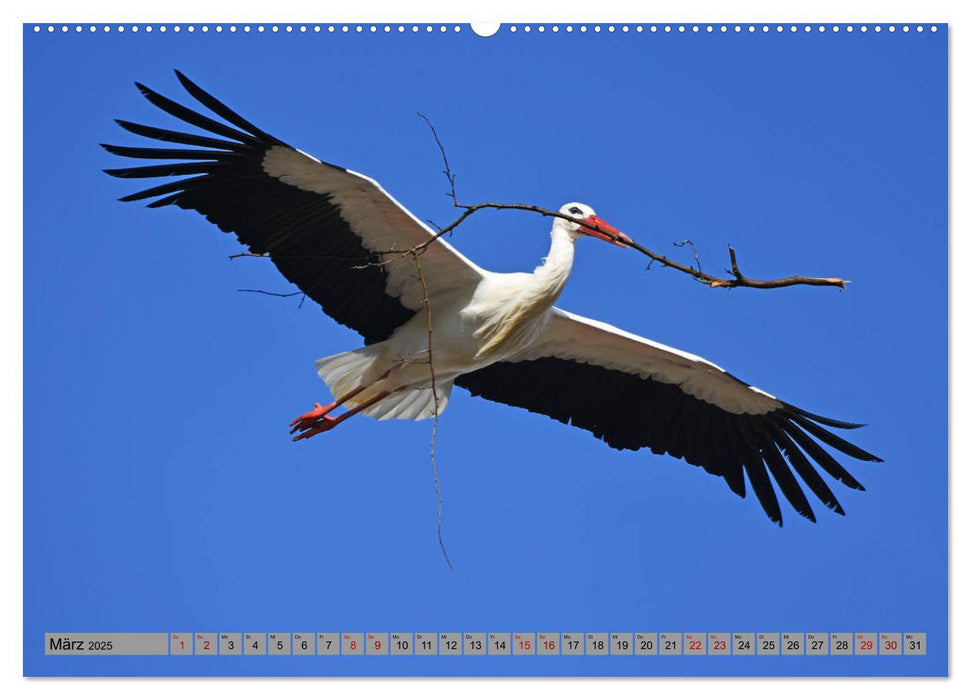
316, 417
325, 423
310, 419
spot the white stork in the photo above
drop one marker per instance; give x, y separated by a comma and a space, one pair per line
497, 335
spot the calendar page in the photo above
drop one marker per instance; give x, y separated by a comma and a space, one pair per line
495, 350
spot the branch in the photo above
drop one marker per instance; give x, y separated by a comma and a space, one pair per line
448, 169
737, 280
248, 255
278, 294
431, 370
741, 280
272, 294
694, 251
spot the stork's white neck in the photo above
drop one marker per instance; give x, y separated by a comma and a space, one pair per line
515, 317
551, 276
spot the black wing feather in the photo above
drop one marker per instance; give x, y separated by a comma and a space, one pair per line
805, 470
758, 477
167, 153
173, 186
169, 136
734, 473
165, 170
218, 108
787, 482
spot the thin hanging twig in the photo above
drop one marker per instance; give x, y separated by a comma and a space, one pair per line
431, 369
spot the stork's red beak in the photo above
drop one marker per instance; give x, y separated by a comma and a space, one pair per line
604, 231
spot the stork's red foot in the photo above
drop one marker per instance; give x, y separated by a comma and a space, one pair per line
321, 425
314, 422
308, 419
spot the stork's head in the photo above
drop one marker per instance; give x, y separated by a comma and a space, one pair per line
589, 224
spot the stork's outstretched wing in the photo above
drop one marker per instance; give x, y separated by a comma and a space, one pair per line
323, 226
633, 393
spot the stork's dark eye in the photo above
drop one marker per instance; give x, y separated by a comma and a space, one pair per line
576, 211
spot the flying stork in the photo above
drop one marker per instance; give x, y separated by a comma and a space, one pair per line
497, 335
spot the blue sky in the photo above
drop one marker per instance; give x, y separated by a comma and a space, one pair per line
162, 491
